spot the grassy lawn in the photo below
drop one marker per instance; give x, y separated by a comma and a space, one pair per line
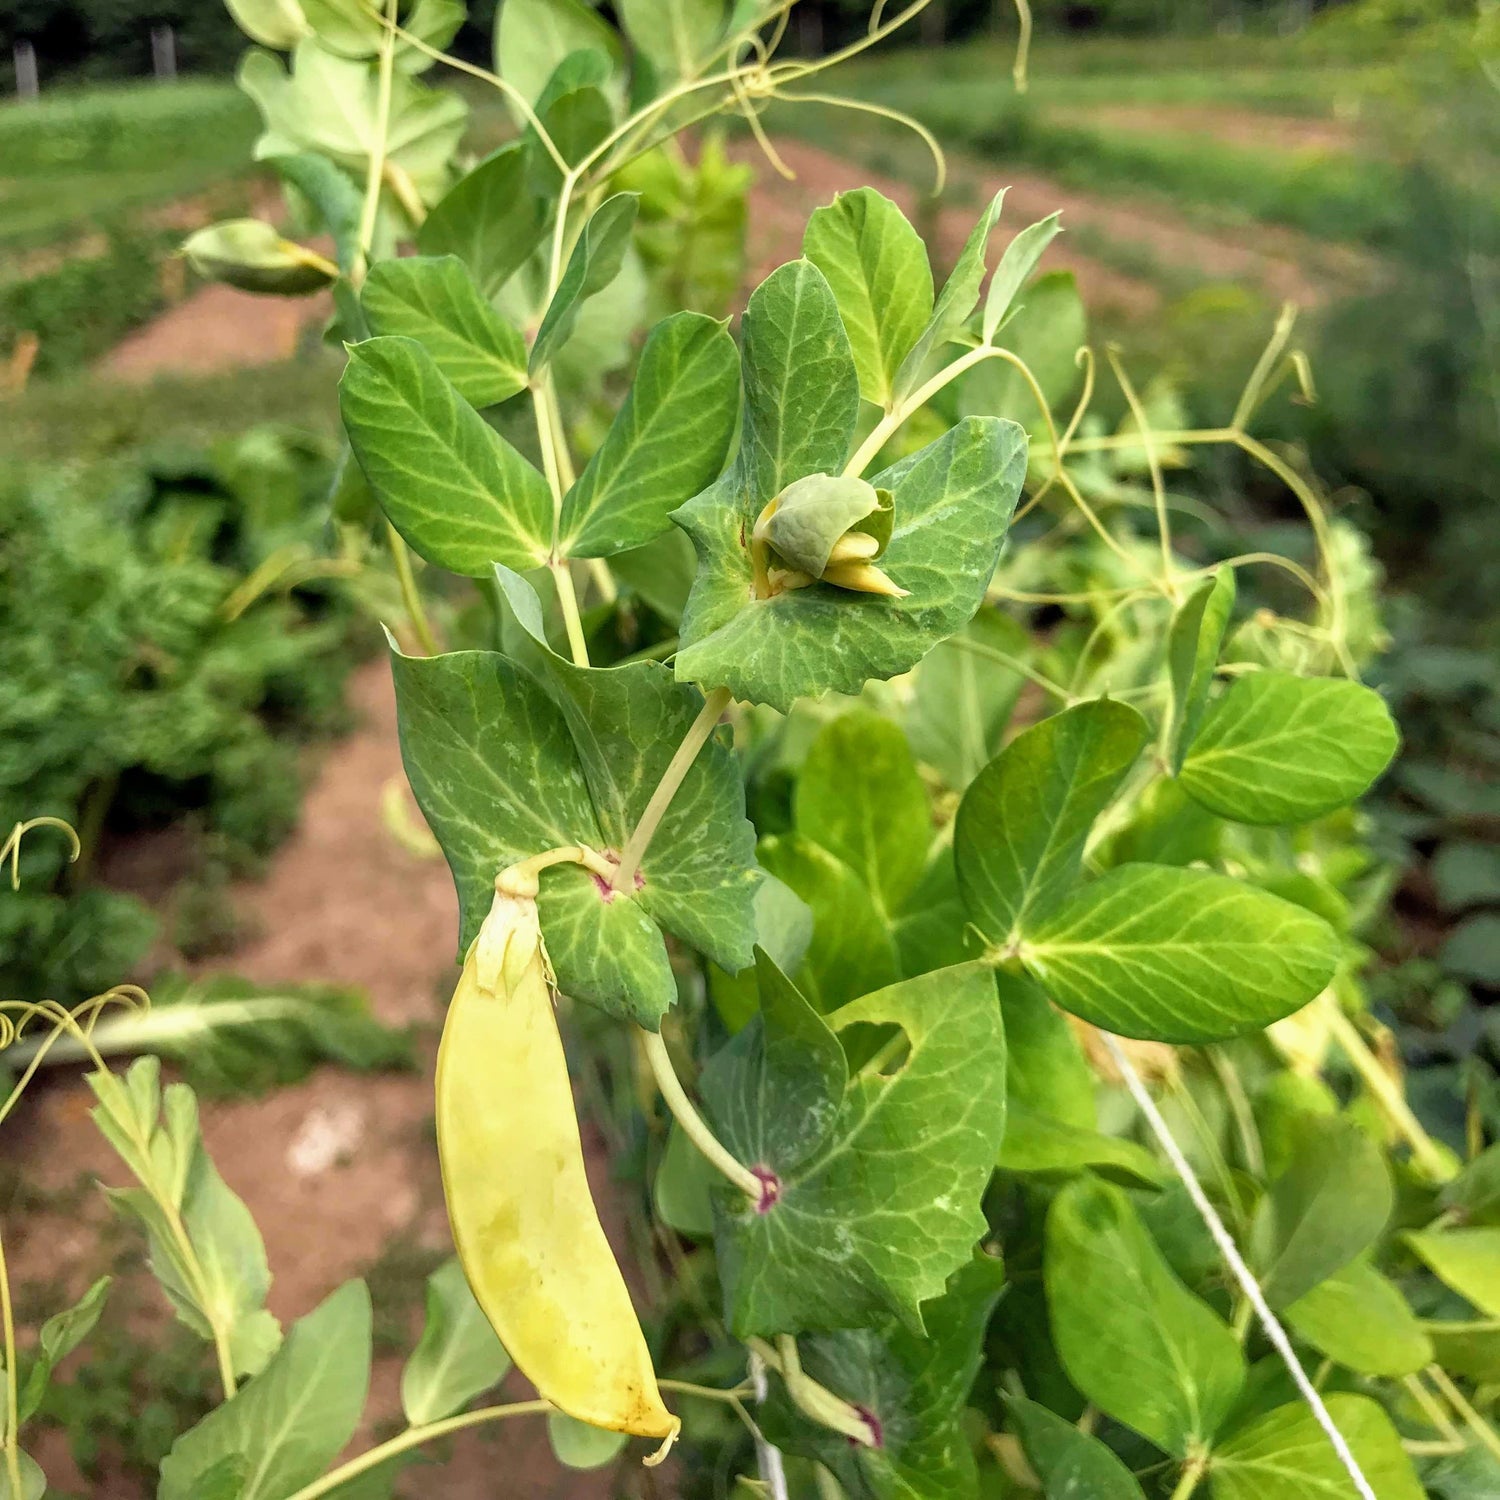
76, 158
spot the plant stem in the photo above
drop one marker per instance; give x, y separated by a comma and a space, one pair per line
1460, 1403
671, 779
12, 1396
567, 599
693, 1124
414, 1437
376, 174
1192, 1474
416, 612
1387, 1092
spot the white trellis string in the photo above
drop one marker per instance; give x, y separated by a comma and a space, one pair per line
1236, 1262
767, 1457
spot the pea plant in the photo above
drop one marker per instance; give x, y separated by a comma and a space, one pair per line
869, 751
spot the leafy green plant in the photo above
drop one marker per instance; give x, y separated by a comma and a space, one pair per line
1027, 1125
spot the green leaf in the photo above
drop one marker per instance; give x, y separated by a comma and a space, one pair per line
60, 1335
912, 1389
1359, 1319
504, 767
1473, 1197
876, 265
1285, 1455
1465, 1260
963, 695
227, 1286
1072, 1465
1046, 1072
1014, 270
1471, 1350
958, 298
436, 22
682, 1193
953, 501
1330, 1203
1472, 949
433, 300
668, 441
331, 193
852, 950
801, 390
576, 1445
576, 114
860, 798
458, 1356
1466, 874
784, 928
448, 482
1180, 955
674, 35
595, 262
1282, 749
1194, 640
874, 1207
489, 219
1133, 1339
33, 1480
1045, 332
292, 1420
534, 36
331, 104
345, 26
1021, 828
1038, 1143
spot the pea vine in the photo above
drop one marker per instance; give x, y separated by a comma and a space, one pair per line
874, 751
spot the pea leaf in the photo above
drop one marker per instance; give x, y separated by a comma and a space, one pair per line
876, 265
576, 1445
1071, 1464
595, 262
958, 298
505, 767
913, 1389
576, 114
1037, 1143
173, 1167
534, 36
1282, 749
1015, 268
60, 1335
272, 23
1330, 1203
1466, 1260
852, 950
433, 300
1046, 1072
1021, 828
33, 1480
1285, 1455
675, 35
1180, 955
1474, 1195
1194, 640
667, 442
860, 798
1468, 1349
290, 1422
1132, 1338
952, 502
447, 481
458, 1355
489, 219
330, 104
875, 1207
1046, 332
1359, 1319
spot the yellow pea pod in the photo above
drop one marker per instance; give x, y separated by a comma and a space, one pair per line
518, 1198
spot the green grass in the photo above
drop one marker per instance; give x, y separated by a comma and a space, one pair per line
78, 419
75, 158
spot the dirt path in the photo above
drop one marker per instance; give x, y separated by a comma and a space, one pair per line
1281, 263
338, 1167
1255, 128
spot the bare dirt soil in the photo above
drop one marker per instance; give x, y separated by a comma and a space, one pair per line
1257, 129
